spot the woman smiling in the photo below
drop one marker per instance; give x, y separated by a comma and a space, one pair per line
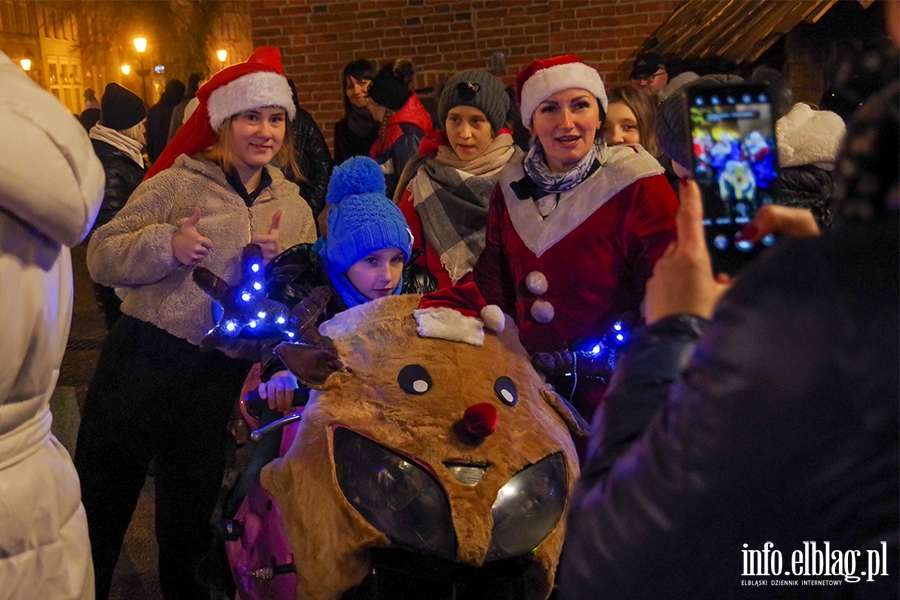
451, 179
574, 229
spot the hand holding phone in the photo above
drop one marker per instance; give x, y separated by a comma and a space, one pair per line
735, 162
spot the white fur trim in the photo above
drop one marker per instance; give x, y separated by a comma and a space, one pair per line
620, 167
449, 324
493, 318
253, 90
536, 282
547, 82
542, 311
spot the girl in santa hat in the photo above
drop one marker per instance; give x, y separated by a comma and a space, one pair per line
574, 229
155, 395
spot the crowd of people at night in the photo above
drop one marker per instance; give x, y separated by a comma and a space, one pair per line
737, 411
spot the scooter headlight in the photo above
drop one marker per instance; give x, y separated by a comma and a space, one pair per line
396, 496
528, 507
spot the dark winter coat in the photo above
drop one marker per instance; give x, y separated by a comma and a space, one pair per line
783, 428
314, 160
347, 144
123, 175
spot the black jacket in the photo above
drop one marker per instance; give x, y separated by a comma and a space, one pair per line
123, 175
347, 144
783, 428
314, 161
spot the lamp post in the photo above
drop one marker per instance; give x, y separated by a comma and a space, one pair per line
222, 54
140, 44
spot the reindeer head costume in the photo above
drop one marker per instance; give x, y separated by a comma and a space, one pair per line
455, 427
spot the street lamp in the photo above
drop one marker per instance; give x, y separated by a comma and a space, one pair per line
140, 44
222, 54
26, 64
126, 69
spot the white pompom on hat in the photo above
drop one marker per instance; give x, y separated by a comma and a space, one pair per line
458, 314
544, 77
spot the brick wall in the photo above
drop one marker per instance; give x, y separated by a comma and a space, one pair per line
319, 37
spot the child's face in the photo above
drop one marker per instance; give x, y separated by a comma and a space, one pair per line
257, 136
377, 275
621, 126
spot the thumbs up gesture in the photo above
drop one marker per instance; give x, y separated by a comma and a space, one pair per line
269, 242
189, 247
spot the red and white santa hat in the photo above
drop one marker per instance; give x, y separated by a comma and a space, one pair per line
256, 83
544, 77
458, 314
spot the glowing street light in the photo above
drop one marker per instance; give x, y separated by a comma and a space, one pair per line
222, 54
140, 44
126, 69
26, 64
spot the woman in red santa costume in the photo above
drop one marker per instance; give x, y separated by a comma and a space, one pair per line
575, 228
155, 394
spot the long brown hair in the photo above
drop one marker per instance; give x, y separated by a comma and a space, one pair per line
644, 112
222, 151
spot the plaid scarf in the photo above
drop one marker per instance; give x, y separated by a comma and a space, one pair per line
451, 198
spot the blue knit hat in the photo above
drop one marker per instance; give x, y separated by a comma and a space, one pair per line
361, 219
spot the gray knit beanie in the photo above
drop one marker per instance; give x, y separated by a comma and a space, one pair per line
673, 132
477, 89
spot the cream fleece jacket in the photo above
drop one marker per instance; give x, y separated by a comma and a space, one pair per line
134, 251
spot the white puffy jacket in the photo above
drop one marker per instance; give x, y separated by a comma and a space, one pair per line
51, 186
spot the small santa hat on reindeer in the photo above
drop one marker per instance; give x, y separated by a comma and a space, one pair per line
458, 314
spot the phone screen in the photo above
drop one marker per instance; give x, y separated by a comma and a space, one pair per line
735, 165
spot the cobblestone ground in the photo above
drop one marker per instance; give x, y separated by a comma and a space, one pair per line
135, 577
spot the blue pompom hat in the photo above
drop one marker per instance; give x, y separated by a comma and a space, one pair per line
361, 219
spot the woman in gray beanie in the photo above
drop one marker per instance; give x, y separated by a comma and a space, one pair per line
444, 191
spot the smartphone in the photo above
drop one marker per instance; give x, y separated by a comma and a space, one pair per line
735, 164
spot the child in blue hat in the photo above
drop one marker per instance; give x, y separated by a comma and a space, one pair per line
362, 257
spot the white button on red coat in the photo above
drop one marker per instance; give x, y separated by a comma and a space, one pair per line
542, 311
536, 283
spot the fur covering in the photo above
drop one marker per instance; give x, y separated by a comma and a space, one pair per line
374, 342
134, 250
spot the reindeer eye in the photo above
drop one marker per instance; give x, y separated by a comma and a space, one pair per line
506, 390
414, 379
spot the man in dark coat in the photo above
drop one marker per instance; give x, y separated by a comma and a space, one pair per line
159, 117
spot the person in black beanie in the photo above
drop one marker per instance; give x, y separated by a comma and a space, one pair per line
404, 121
118, 139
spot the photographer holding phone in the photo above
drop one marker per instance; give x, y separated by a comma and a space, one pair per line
780, 428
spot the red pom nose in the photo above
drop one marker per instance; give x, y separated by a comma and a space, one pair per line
480, 420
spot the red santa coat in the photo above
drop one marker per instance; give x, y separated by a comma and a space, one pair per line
566, 278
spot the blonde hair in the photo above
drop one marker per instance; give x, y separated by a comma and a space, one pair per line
135, 133
222, 151
644, 113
